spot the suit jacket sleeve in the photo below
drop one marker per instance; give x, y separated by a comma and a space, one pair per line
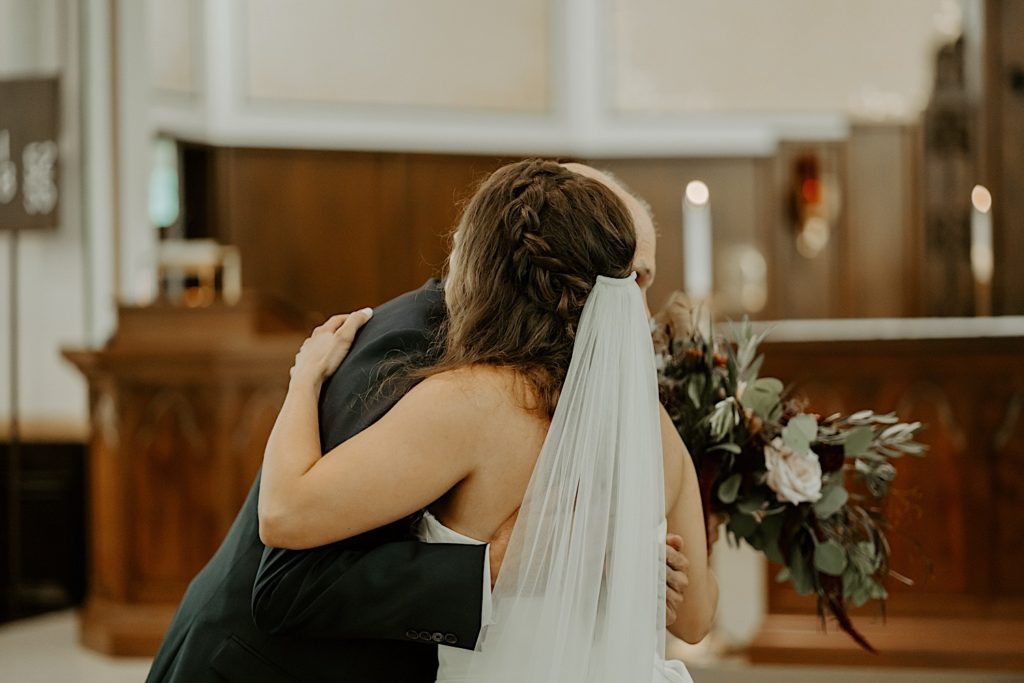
401, 589
382, 584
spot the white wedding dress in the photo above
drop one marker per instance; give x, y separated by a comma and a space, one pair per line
581, 593
454, 663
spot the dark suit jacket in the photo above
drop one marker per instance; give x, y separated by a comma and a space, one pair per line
367, 609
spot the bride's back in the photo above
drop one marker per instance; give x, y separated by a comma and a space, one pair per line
504, 434
503, 437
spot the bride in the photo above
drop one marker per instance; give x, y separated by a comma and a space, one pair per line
542, 398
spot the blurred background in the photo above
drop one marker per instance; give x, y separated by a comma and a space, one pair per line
187, 185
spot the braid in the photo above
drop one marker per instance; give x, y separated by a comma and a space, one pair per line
531, 243
544, 276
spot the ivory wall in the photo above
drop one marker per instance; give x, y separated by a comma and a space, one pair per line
869, 58
603, 80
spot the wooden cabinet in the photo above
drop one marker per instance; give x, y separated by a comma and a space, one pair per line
958, 514
182, 401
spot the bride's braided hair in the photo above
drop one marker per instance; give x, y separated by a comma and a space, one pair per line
528, 249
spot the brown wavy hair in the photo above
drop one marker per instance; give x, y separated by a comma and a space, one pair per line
527, 250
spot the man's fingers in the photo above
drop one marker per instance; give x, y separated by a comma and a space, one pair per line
676, 560
674, 541
673, 603
677, 581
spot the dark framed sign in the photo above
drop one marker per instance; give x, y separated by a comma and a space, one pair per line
29, 153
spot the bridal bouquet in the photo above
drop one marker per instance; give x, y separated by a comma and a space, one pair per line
805, 490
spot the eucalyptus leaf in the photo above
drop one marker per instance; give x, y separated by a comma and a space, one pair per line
742, 525
729, 488
854, 587
913, 448
861, 416
800, 573
771, 530
693, 392
731, 447
762, 395
783, 575
750, 504
830, 558
799, 433
863, 558
770, 385
858, 440
750, 372
831, 501
772, 550
722, 419
859, 589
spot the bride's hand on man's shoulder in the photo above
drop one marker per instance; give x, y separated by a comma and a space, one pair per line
325, 349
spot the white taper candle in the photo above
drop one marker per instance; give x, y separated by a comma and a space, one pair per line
697, 254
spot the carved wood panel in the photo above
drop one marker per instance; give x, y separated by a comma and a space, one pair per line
957, 514
181, 414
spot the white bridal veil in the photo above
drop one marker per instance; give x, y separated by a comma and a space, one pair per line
580, 597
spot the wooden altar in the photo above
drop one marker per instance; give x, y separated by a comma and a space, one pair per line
181, 401
958, 513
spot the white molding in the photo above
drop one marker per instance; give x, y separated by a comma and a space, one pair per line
134, 136
863, 329
98, 181
580, 121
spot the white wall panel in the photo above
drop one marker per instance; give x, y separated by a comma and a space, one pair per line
869, 57
486, 54
172, 43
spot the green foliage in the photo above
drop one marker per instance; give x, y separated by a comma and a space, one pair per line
762, 396
741, 525
800, 432
728, 489
801, 573
830, 558
833, 499
727, 414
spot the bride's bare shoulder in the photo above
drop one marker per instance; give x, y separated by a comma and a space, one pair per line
471, 391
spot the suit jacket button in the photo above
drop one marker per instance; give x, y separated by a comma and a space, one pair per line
437, 637
450, 638
424, 635
411, 634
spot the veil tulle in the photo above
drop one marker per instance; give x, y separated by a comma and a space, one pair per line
580, 597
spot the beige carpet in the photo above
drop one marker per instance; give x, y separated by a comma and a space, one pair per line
45, 650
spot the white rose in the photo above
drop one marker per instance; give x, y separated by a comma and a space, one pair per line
795, 478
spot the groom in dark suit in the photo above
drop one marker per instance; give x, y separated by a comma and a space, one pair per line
371, 608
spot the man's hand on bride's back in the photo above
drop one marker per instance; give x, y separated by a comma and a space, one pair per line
675, 577
324, 349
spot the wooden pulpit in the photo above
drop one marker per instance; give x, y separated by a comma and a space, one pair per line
182, 401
